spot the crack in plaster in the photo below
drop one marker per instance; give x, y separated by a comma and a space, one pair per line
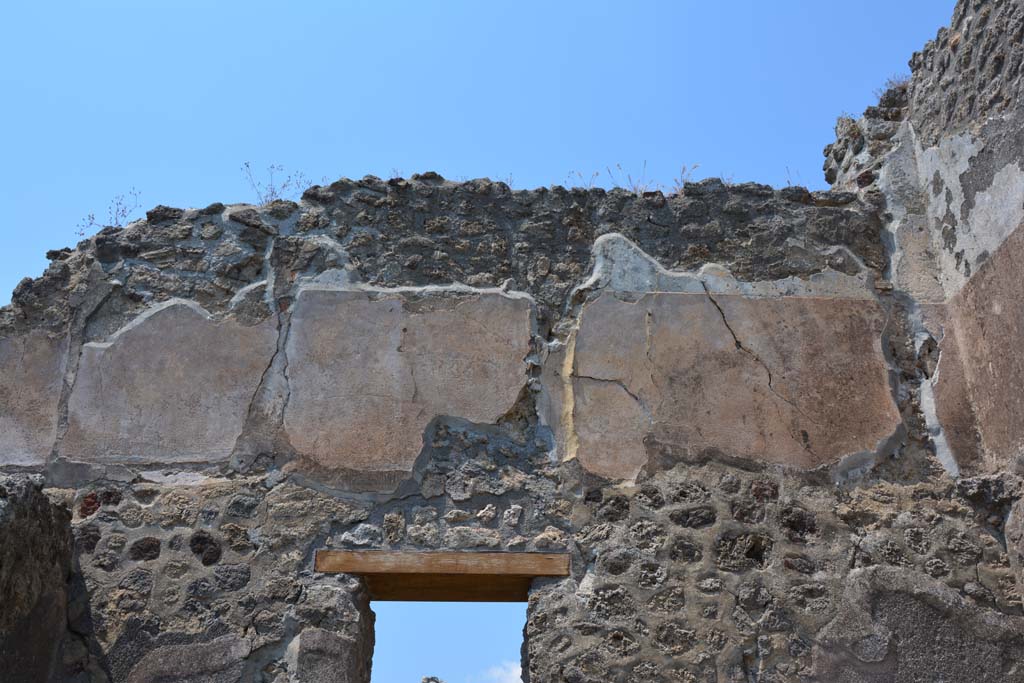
622, 385
621, 266
768, 371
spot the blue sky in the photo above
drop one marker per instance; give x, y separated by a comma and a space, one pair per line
171, 97
458, 642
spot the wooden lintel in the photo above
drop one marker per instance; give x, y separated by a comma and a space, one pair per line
444, 576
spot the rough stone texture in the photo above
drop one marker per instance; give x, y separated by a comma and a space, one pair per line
172, 387
710, 572
778, 432
425, 230
31, 369
230, 586
891, 627
1014, 533
35, 562
222, 660
322, 656
368, 371
971, 72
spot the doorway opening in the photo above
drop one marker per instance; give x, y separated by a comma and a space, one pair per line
455, 642
457, 617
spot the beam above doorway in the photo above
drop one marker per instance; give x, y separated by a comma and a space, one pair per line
445, 576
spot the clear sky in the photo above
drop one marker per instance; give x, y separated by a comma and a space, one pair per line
170, 97
458, 642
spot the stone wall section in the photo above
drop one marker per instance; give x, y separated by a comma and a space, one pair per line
221, 335
777, 431
941, 156
35, 568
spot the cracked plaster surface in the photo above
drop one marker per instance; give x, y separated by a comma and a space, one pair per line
789, 372
173, 386
369, 370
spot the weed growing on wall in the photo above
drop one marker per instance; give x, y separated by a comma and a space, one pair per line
620, 178
894, 82
119, 213
276, 184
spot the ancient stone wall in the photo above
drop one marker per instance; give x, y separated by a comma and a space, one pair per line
941, 157
776, 431
35, 567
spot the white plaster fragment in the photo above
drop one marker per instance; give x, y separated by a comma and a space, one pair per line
996, 213
622, 266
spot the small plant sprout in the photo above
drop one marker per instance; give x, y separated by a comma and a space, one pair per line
577, 179
623, 179
894, 82
119, 214
274, 187
790, 177
685, 176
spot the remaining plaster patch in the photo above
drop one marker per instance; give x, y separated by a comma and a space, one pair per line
610, 423
173, 386
622, 266
987, 318
31, 367
912, 260
962, 245
996, 214
799, 381
789, 372
369, 370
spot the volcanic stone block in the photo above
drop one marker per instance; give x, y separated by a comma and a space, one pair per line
173, 386
31, 367
797, 380
320, 656
35, 561
369, 371
1014, 530
220, 660
891, 624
